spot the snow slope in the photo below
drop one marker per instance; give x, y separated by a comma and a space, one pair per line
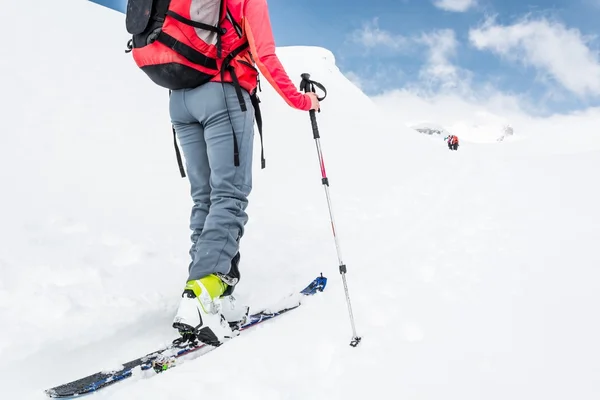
473, 274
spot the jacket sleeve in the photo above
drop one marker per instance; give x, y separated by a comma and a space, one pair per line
257, 27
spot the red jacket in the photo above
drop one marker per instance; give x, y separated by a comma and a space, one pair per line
253, 17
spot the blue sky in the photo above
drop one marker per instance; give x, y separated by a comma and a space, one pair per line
543, 52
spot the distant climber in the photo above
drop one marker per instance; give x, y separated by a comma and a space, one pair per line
452, 141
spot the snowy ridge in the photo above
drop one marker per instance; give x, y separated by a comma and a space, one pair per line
473, 274
485, 131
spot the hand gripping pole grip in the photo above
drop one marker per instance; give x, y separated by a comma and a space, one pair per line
307, 85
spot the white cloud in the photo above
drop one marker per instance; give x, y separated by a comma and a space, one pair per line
442, 47
455, 5
563, 54
376, 77
449, 92
370, 36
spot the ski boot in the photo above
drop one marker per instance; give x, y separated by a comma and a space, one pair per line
199, 312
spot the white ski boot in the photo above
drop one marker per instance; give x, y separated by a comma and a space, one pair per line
200, 311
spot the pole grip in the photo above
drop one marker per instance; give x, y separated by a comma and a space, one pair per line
313, 122
307, 85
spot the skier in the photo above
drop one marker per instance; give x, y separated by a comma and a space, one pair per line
209, 124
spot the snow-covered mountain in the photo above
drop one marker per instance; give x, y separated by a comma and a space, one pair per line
445, 113
467, 132
473, 274
481, 132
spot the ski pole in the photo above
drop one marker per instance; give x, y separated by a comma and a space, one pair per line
308, 85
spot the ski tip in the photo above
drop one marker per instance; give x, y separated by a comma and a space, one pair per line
317, 285
321, 283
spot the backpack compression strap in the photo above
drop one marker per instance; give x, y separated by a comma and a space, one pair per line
253, 97
258, 117
216, 29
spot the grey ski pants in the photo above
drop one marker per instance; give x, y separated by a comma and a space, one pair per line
219, 189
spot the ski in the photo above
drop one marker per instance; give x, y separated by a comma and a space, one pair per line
174, 354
